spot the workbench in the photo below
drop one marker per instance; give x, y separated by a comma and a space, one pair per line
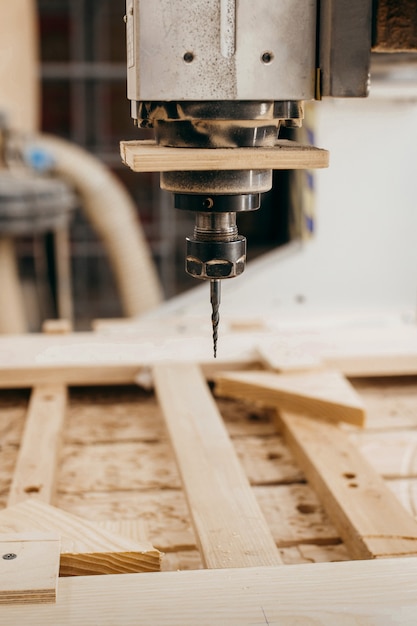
254, 528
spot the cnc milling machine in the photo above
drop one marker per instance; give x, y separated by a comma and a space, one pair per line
217, 74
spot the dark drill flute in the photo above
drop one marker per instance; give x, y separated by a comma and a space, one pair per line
215, 303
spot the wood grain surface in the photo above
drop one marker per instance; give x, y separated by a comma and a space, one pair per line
117, 419
86, 549
29, 565
228, 521
35, 471
324, 394
147, 156
361, 593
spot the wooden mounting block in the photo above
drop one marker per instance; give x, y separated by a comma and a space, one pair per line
147, 156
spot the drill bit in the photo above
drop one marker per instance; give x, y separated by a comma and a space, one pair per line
215, 303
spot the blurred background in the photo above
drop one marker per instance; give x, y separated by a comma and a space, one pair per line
117, 247
83, 100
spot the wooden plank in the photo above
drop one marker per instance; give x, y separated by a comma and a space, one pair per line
364, 593
369, 518
147, 156
29, 565
93, 373
96, 374
34, 474
355, 365
228, 522
118, 358
288, 356
325, 394
365, 365
86, 549
360, 352
21, 377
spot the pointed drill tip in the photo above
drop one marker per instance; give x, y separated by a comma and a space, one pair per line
215, 302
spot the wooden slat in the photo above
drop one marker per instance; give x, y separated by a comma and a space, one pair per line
324, 394
369, 518
34, 474
29, 567
147, 156
287, 360
229, 525
364, 365
356, 365
86, 549
93, 358
364, 593
21, 377
117, 358
359, 352
93, 374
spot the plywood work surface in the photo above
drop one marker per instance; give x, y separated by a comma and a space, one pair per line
117, 464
